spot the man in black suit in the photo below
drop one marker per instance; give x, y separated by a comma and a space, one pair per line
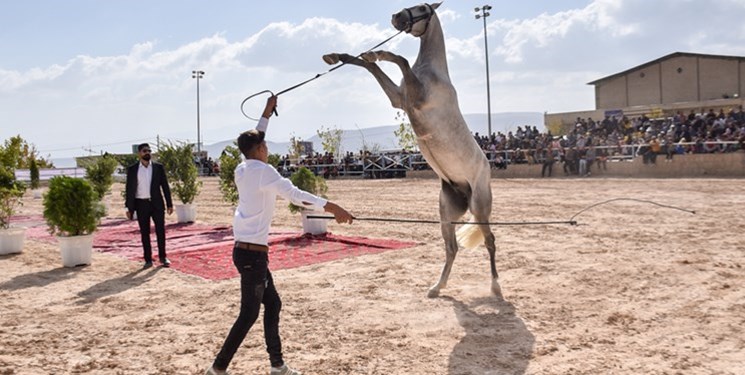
145, 180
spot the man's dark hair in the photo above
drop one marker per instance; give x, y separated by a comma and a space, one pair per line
248, 140
141, 146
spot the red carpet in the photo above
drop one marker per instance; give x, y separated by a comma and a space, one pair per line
206, 251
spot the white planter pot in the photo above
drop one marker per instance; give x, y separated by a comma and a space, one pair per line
313, 226
11, 240
37, 193
76, 250
186, 213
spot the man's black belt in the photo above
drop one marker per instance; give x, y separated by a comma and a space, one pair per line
251, 246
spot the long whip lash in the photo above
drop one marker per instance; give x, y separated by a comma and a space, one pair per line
319, 75
571, 220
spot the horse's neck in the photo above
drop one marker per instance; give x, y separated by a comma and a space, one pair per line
432, 47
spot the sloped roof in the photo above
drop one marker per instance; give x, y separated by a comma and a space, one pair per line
666, 57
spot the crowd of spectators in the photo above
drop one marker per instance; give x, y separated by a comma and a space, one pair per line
592, 142
588, 145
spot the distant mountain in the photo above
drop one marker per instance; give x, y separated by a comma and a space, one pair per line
384, 138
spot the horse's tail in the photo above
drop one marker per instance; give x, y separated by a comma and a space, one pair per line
469, 236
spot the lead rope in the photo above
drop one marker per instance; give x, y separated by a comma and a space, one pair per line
319, 75
571, 220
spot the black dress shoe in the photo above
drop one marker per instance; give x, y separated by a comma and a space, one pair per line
165, 262
148, 264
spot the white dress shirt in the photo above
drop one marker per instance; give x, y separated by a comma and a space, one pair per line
144, 180
259, 184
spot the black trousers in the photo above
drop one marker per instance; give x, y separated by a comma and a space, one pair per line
145, 211
257, 287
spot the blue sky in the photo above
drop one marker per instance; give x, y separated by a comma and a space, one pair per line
81, 74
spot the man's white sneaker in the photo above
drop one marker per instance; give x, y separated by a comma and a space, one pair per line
284, 370
211, 371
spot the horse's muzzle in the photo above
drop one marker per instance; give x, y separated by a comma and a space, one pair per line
400, 21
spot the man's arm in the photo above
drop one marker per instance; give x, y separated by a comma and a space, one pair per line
271, 104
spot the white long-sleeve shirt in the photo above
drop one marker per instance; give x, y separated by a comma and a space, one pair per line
259, 184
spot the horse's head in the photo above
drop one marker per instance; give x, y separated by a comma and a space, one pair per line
414, 20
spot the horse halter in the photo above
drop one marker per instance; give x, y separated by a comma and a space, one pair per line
412, 16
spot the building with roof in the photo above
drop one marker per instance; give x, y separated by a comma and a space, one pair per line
678, 82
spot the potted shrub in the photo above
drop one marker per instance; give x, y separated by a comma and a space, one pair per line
182, 173
72, 212
11, 191
33, 169
229, 159
305, 180
100, 173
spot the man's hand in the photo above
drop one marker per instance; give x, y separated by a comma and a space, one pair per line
271, 105
341, 215
169, 210
129, 215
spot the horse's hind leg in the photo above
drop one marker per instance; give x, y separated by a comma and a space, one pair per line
453, 204
480, 206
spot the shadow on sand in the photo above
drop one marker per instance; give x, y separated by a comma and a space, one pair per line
496, 340
115, 286
39, 279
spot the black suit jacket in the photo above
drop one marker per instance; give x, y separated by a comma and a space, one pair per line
159, 182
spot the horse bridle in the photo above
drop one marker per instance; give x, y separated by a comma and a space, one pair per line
412, 19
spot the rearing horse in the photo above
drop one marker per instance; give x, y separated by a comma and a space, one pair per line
431, 103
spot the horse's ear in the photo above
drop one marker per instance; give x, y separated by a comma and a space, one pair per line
436, 5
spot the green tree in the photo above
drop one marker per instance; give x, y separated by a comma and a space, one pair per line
229, 159
331, 140
11, 192
17, 153
71, 207
296, 148
100, 173
178, 160
305, 180
405, 133
34, 171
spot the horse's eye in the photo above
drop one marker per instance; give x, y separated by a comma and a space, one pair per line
422, 8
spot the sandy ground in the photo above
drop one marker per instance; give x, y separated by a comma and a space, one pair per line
635, 289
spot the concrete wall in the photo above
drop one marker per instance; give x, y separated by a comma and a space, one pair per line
612, 94
680, 80
730, 165
718, 77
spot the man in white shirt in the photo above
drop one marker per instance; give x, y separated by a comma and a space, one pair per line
258, 186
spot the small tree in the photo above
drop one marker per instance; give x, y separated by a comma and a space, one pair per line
178, 160
296, 148
331, 140
11, 192
100, 173
405, 133
305, 180
34, 170
229, 159
71, 207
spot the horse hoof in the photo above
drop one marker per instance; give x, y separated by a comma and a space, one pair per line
370, 57
331, 58
496, 289
433, 293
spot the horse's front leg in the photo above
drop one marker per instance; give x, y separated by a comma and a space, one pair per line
414, 87
391, 89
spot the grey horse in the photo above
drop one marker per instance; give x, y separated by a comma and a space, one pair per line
431, 103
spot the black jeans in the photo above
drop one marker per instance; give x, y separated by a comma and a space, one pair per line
257, 287
145, 211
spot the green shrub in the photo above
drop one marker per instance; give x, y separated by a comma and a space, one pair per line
100, 173
305, 180
71, 207
34, 170
229, 160
181, 170
11, 192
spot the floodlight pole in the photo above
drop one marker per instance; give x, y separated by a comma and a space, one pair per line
484, 13
198, 74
